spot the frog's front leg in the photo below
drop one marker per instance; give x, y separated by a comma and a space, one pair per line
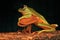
25, 16
28, 29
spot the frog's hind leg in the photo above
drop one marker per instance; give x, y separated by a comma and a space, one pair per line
47, 28
51, 30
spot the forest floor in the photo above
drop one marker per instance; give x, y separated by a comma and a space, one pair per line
21, 36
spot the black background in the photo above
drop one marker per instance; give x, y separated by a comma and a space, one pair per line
9, 14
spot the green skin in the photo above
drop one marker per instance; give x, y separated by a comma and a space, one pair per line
29, 11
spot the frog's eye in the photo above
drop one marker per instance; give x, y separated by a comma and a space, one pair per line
25, 6
23, 9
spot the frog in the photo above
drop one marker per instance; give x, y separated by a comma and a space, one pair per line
31, 16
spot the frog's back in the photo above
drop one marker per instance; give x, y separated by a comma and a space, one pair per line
39, 16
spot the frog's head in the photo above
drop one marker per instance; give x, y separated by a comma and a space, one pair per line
24, 10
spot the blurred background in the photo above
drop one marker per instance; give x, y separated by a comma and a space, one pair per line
9, 14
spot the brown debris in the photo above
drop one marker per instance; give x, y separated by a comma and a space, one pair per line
33, 36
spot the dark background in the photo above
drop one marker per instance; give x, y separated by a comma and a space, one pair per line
9, 14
